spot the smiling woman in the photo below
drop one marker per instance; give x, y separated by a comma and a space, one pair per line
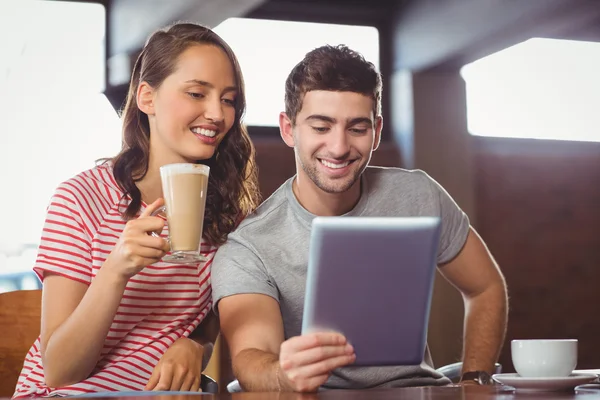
106, 286
167, 99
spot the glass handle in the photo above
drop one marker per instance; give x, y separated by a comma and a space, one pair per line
161, 209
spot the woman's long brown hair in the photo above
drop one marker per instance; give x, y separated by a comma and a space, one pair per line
233, 184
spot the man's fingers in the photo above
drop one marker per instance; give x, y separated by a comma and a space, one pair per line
311, 340
153, 379
307, 360
158, 203
316, 354
324, 367
305, 384
313, 384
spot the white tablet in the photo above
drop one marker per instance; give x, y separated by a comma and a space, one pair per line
371, 279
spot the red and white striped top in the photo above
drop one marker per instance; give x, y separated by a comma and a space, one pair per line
161, 304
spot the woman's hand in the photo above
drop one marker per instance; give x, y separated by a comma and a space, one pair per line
136, 248
179, 369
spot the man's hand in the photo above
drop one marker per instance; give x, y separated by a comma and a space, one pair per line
179, 369
307, 361
475, 274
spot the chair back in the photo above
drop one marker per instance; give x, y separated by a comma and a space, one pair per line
20, 314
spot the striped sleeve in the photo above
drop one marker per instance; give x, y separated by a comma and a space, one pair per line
65, 245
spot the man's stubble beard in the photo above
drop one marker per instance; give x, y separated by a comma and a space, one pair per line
343, 185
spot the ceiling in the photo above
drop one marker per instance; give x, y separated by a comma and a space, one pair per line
131, 21
426, 33
417, 34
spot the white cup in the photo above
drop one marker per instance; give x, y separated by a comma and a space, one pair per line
544, 358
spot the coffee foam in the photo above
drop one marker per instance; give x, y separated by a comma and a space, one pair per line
184, 168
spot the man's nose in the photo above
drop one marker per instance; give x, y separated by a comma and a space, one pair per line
339, 145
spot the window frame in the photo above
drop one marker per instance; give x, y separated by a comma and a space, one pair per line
352, 14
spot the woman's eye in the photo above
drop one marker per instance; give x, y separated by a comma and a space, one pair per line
231, 102
195, 95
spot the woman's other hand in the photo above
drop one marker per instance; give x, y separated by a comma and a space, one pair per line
179, 369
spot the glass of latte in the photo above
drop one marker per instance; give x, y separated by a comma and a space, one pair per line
184, 189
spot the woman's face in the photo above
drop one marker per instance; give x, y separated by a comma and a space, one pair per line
193, 109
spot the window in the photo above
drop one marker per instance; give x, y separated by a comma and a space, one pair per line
54, 119
268, 50
541, 88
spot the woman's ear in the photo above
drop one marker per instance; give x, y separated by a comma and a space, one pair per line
145, 98
286, 129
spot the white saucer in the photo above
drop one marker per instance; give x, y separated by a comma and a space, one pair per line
544, 384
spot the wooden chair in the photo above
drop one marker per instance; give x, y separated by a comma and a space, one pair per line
20, 313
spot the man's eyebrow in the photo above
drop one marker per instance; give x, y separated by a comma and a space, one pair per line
360, 120
210, 85
351, 122
318, 117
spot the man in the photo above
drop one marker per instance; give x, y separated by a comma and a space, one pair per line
333, 121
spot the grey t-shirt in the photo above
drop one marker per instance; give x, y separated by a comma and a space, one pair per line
268, 254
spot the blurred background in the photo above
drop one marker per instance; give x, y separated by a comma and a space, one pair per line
498, 100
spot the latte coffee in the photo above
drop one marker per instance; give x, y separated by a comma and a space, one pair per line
184, 190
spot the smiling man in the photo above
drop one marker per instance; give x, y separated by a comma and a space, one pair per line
333, 121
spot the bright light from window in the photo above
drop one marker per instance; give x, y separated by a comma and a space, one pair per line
268, 50
54, 120
541, 89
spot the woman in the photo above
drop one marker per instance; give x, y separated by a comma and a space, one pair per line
114, 317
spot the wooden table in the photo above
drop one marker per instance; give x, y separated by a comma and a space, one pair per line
425, 393
585, 392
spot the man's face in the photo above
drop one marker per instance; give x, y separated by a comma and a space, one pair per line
333, 138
